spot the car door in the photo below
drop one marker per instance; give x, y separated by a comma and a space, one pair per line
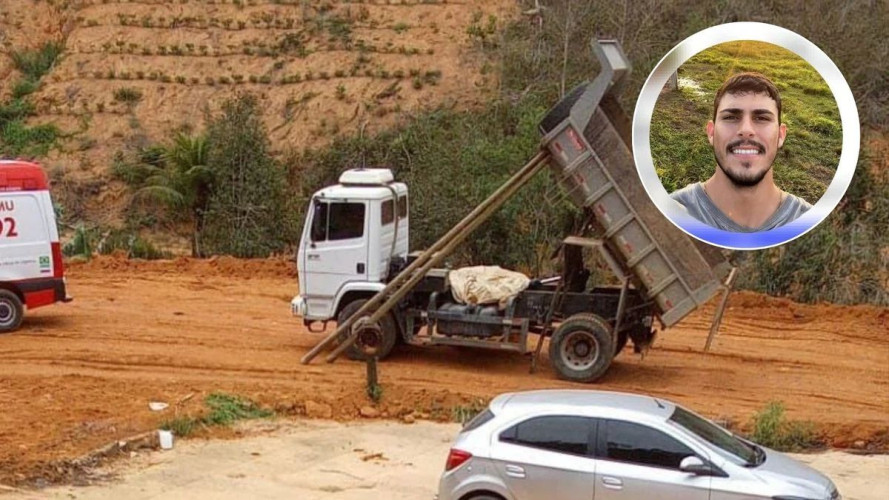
638, 461
547, 457
335, 252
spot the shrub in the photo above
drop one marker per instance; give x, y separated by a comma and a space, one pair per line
248, 216
24, 87
36, 63
770, 429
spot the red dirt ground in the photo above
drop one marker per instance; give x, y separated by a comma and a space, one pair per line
80, 375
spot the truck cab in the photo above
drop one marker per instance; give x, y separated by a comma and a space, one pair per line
354, 231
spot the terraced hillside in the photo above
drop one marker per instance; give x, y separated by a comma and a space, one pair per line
132, 71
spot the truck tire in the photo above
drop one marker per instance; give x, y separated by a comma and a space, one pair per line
11, 311
582, 347
387, 324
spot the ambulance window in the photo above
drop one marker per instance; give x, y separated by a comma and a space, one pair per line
346, 221
402, 207
388, 212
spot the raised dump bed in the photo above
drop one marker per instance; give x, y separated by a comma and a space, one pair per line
588, 137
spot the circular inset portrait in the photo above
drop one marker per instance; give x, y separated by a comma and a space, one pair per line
746, 135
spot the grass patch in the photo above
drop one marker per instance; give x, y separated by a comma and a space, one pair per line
128, 95
224, 410
375, 392
464, 413
181, 426
773, 430
36, 63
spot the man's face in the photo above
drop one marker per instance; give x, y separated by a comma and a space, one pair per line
746, 136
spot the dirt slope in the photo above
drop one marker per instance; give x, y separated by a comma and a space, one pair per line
321, 68
81, 375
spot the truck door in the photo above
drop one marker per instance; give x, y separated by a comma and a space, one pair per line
335, 252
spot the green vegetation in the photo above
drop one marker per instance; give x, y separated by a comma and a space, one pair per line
374, 392
17, 138
247, 215
176, 177
464, 413
87, 241
224, 410
36, 63
772, 430
128, 95
808, 160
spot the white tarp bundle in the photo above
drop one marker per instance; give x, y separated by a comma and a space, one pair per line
486, 285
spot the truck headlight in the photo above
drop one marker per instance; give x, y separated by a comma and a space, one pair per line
298, 306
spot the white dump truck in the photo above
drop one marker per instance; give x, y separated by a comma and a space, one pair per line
355, 266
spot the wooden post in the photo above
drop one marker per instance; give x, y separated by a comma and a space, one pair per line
720, 310
373, 386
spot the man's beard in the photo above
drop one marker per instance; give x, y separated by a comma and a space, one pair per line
743, 180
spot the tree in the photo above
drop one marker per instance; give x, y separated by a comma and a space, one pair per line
174, 176
247, 215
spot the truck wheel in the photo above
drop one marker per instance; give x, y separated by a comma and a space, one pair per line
11, 311
582, 347
387, 325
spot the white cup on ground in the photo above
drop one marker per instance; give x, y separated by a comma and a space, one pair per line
166, 439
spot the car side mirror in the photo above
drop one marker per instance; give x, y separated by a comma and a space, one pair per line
696, 466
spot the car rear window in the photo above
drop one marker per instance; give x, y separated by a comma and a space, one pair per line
478, 420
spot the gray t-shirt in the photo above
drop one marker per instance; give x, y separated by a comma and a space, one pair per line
701, 207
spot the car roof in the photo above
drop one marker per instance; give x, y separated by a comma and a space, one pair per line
584, 403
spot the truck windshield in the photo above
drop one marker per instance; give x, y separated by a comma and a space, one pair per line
715, 435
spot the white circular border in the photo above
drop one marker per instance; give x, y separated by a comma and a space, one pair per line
733, 32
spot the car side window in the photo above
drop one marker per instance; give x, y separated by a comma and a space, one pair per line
561, 434
641, 445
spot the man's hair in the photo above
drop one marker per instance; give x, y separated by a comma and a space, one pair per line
748, 82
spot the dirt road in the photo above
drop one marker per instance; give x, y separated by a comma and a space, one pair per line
80, 375
317, 460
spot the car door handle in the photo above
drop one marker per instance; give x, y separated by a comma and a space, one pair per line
314, 256
515, 471
612, 483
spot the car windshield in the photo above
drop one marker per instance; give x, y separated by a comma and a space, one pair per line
715, 435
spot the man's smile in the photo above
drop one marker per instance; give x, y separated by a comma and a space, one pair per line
746, 148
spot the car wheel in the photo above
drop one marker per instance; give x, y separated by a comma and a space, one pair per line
11, 311
382, 343
582, 347
484, 496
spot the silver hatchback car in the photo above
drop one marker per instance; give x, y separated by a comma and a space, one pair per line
592, 445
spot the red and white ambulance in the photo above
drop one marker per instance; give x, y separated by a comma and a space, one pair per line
31, 272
